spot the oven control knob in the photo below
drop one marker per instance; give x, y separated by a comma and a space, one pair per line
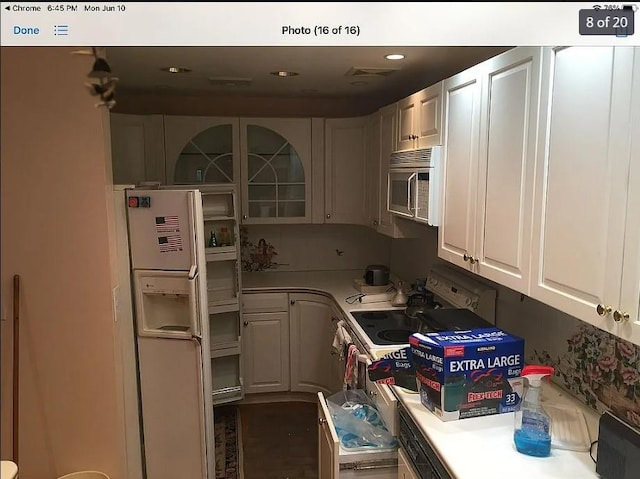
474, 304
468, 302
434, 282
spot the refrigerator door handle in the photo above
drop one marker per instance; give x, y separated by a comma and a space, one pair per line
194, 304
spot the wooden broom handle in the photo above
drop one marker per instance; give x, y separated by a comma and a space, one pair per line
16, 363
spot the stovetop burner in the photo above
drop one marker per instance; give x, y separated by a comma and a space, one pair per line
387, 327
394, 326
375, 315
395, 336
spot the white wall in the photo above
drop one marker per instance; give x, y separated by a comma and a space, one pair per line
57, 234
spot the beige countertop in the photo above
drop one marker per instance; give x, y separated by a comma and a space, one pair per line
471, 448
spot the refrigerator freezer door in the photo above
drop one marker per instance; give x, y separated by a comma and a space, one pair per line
162, 228
173, 409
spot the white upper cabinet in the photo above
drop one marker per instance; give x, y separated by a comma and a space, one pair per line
630, 294
372, 171
201, 150
420, 119
381, 143
276, 170
456, 234
490, 138
585, 241
345, 171
269, 159
137, 148
506, 167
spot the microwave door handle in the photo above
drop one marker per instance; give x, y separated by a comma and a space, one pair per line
194, 316
409, 195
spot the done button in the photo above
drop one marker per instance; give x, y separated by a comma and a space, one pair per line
18, 30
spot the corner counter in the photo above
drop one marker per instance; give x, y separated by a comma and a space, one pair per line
474, 448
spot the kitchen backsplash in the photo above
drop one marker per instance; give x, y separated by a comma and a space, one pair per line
311, 247
596, 367
599, 369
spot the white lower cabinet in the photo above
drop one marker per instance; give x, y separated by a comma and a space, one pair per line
405, 469
585, 234
310, 341
286, 342
265, 342
265, 346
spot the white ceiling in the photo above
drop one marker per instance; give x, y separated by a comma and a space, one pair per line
323, 70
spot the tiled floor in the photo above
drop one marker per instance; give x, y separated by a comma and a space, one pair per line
279, 440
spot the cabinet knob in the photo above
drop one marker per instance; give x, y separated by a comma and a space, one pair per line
245, 323
474, 260
375, 222
244, 217
466, 257
328, 215
322, 421
620, 316
603, 310
292, 302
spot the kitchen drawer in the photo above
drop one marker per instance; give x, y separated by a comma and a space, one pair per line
265, 302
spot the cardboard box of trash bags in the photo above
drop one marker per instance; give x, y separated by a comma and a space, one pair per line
459, 374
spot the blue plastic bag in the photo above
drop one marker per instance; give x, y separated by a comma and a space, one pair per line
358, 422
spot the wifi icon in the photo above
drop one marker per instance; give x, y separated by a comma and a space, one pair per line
597, 7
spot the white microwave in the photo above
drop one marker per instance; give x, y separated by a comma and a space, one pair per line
413, 184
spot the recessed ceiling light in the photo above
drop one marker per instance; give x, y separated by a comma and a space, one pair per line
394, 56
175, 69
284, 73
359, 82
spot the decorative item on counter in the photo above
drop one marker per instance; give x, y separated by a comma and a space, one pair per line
464, 374
532, 432
394, 368
400, 299
213, 242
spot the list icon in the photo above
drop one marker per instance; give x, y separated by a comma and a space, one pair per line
61, 30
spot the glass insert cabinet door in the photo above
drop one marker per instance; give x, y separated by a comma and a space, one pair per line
276, 170
201, 150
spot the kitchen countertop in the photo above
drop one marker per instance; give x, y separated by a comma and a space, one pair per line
473, 448
482, 447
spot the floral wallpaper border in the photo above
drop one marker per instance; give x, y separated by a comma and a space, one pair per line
600, 369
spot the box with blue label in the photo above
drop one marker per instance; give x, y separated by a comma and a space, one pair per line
464, 374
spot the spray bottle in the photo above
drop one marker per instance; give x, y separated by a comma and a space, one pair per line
532, 425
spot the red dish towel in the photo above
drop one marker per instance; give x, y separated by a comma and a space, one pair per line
350, 371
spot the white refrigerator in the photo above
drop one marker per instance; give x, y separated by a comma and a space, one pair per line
166, 242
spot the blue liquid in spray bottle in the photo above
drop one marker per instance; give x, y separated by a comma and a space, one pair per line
532, 434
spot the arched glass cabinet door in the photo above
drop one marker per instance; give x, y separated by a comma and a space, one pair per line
206, 158
275, 178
